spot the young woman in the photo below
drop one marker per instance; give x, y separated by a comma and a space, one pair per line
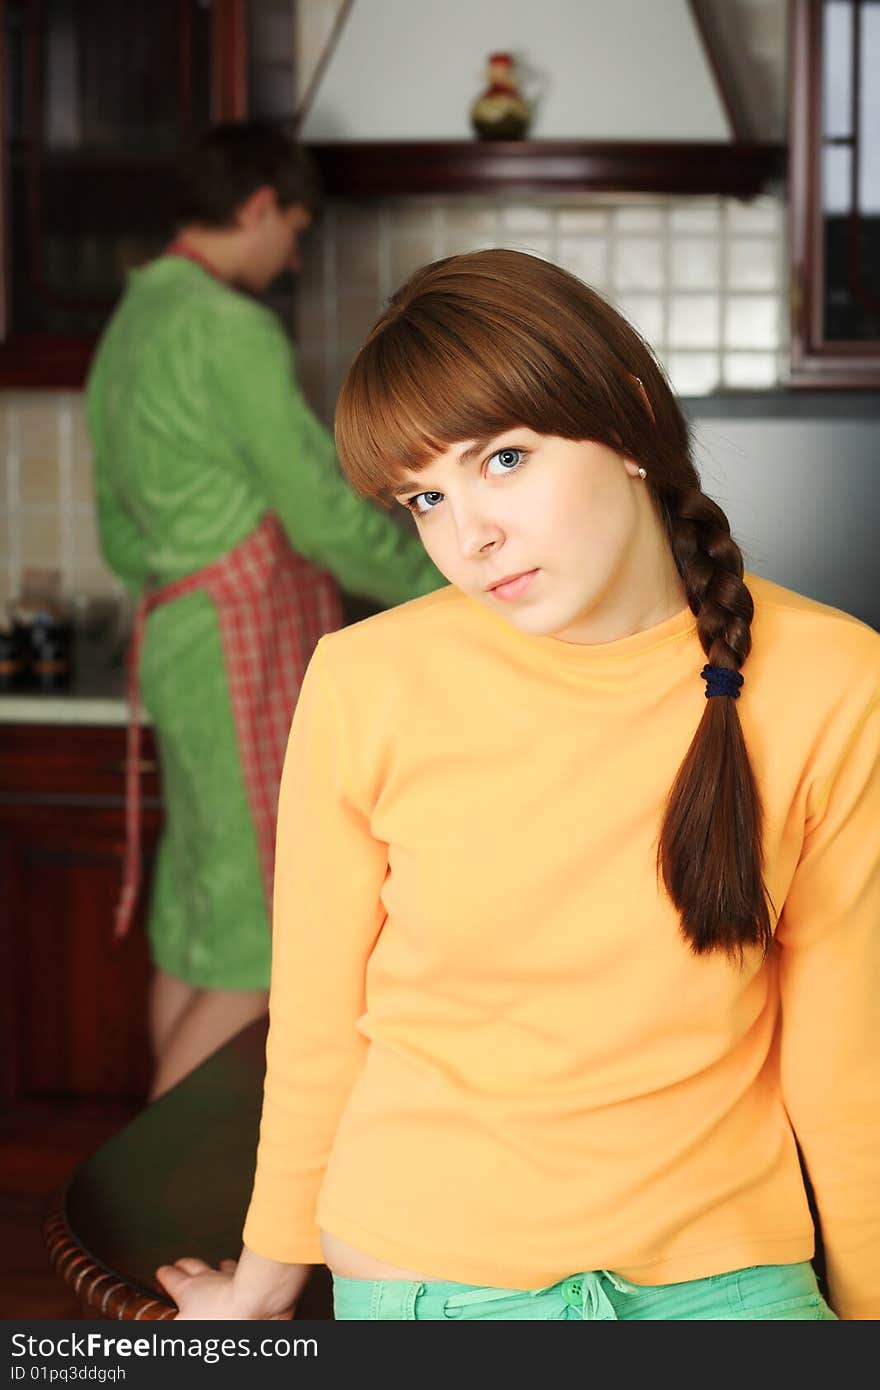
578, 875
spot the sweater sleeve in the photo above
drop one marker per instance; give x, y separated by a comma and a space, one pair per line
327, 916
829, 934
295, 460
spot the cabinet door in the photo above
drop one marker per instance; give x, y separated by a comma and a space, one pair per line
834, 185
98, 100
78, 1000
73, 1003
100, 97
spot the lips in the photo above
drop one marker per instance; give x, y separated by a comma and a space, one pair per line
507, 579
512, 586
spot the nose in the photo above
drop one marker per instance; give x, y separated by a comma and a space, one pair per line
478, 533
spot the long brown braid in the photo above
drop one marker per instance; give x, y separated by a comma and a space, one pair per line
709, 851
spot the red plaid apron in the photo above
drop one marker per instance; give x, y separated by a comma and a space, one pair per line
272, 607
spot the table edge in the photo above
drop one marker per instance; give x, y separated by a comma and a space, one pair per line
100, 1290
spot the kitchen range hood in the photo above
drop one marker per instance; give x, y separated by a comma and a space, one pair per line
627, 96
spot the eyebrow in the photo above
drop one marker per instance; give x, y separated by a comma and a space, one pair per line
466, 455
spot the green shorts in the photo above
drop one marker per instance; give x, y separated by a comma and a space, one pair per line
762, 1293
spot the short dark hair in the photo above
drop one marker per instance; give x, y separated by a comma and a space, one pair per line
232, 160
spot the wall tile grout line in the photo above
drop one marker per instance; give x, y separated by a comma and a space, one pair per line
438, 231
662, 347
383, 248
724, 287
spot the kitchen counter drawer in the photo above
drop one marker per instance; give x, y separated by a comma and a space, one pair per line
74, 765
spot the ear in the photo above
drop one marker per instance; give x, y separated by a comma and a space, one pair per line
631, 466
303, 218
253, 210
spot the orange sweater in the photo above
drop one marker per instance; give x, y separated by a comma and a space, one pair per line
492, 1056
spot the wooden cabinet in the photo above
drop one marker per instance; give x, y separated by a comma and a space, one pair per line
834, 189
100, 98
73, 1003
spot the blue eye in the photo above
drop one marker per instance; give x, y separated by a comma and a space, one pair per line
508, 460
430, 499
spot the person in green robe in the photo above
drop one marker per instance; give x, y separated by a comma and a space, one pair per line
199, 429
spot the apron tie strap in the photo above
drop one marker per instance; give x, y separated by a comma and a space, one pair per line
131, 874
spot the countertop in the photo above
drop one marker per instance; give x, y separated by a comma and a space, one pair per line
96, 695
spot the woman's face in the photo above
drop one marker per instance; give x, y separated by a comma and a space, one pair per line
569, 526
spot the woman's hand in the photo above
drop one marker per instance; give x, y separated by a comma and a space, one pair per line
203, 1293
200, 1292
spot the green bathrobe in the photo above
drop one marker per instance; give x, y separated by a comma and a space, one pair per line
199, 428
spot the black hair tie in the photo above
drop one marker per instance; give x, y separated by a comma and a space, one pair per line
720, 681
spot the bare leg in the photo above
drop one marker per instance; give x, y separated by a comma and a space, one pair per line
208, 1021
169, 998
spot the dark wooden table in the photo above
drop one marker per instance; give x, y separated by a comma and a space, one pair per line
175, 1181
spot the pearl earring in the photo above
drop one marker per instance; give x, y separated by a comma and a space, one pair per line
643, 473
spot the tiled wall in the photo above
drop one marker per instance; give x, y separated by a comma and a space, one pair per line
46, 492
702, 278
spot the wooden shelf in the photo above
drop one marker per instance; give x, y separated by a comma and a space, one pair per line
38, 361
491, 168
365, 170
